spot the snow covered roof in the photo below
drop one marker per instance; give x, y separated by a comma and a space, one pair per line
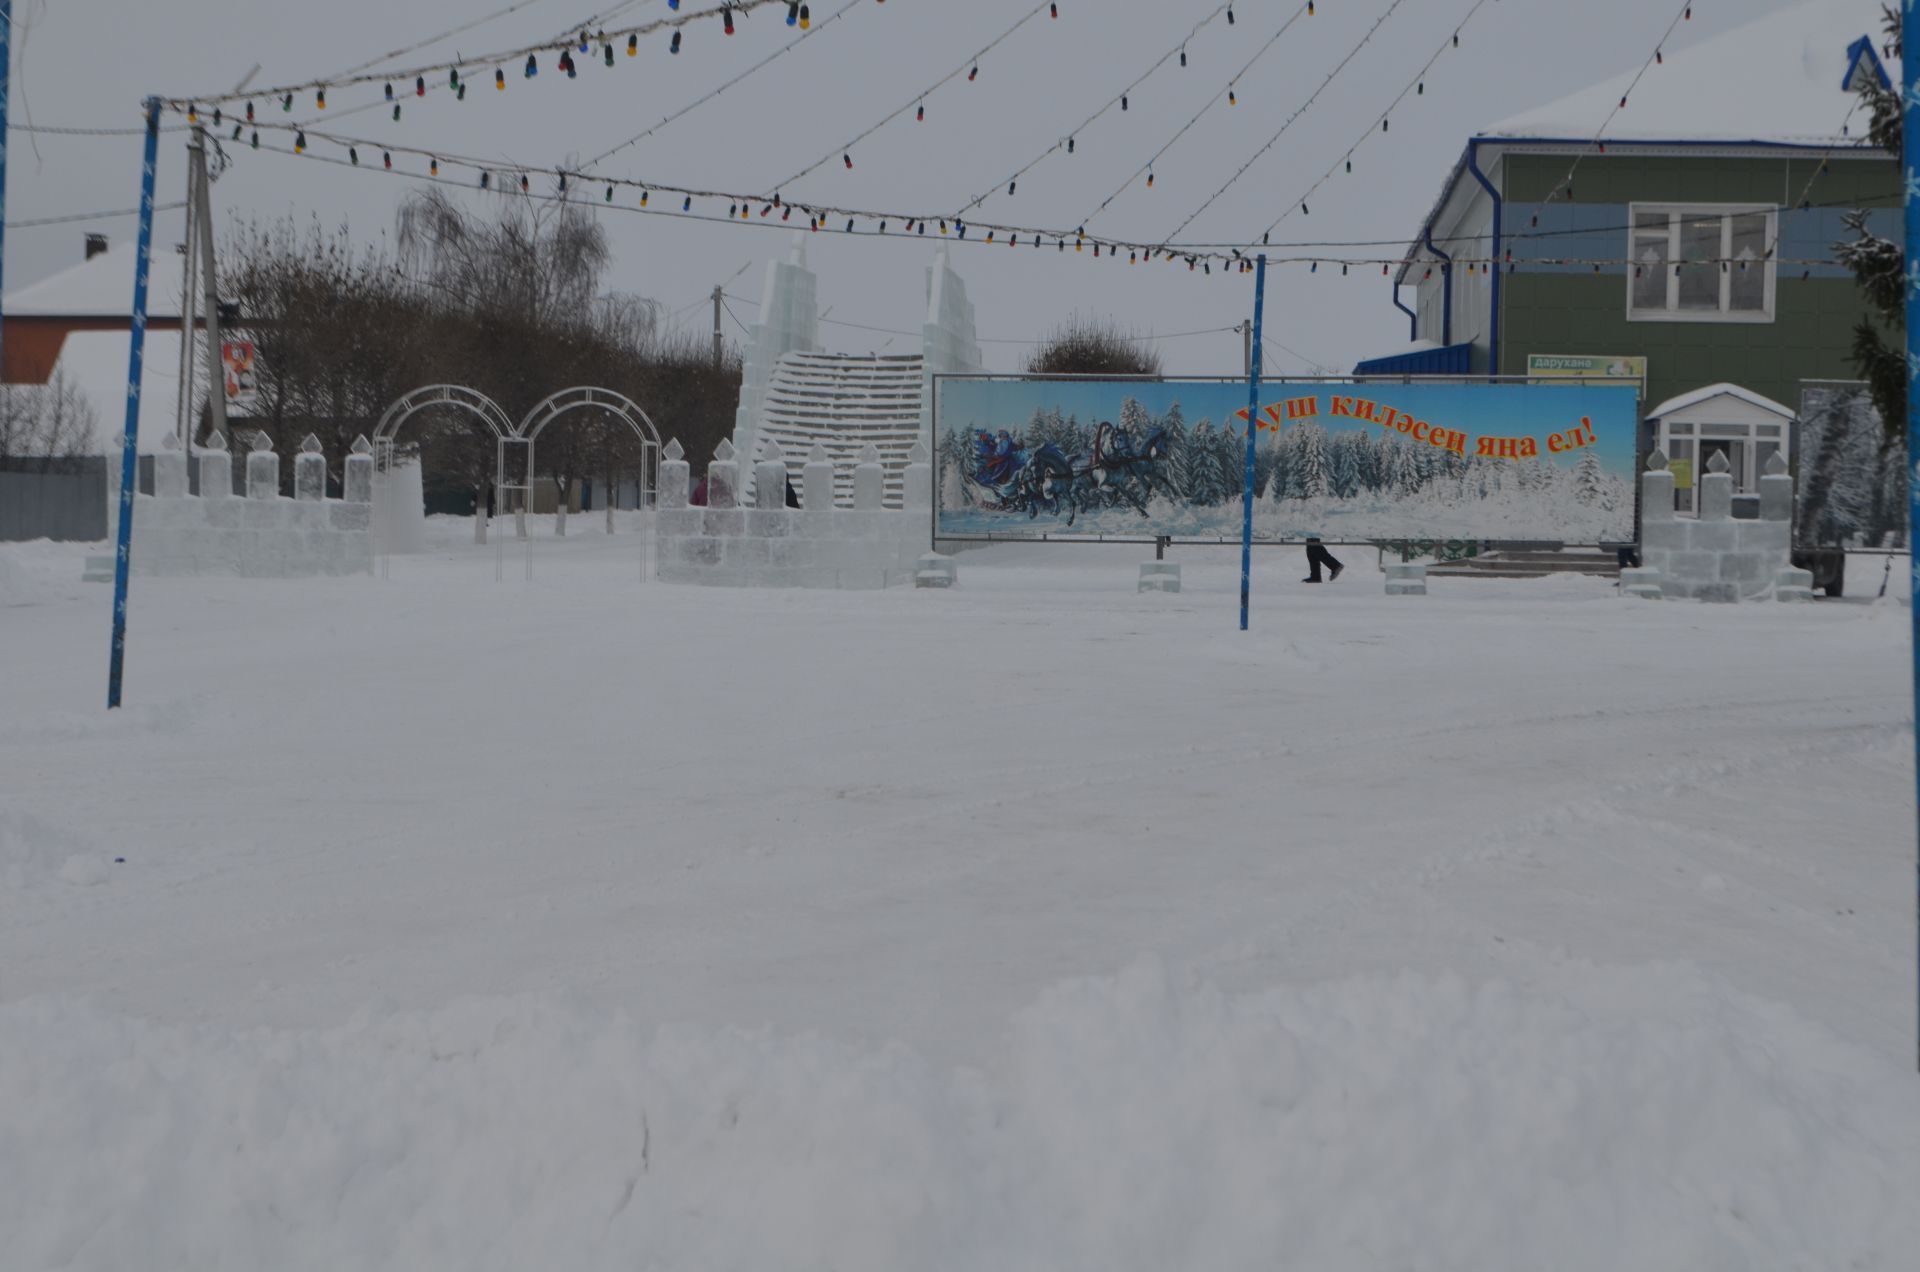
1687, 401
100, 288
1780, 78
95, 363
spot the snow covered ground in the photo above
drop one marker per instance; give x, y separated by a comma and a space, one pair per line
592, 923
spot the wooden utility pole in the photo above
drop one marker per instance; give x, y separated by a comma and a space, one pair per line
718, 295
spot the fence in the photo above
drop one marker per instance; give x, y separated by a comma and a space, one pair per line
69, 502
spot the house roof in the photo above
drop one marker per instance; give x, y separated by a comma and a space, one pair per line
95, 363
1780, 79
101, 288
1685, 401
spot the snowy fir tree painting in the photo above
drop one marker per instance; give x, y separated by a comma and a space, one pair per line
1021, 458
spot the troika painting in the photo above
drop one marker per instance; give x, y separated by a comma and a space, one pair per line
1021, 458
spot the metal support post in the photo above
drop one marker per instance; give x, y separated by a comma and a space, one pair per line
1253, 433
1910, 129
129, 440
6, 90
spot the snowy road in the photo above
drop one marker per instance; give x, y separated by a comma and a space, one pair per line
887, 825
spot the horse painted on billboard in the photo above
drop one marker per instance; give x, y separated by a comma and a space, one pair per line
1117, 469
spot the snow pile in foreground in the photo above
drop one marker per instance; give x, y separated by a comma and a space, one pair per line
1600, 1118
34, 854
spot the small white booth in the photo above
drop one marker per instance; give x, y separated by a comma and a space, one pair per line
1721, 419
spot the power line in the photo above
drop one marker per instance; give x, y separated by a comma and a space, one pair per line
1154, 158
846, 148
1116, 100
429, 42
71, 217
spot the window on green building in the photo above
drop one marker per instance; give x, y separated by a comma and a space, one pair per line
1701, 262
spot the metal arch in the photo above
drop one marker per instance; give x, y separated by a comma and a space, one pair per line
558, 404
585, 396
470, 400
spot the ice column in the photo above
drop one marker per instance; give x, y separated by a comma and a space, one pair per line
770, 477
675, 474
1776, 490
310, 471
723, 477
170, 470
357, 483
869, 480
263, 470
216, 469
1716, 490
816, 480
1656, 489
917, 494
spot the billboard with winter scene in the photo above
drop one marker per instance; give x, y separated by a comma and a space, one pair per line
1343, 460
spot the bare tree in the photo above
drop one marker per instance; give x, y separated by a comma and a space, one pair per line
45, 424
1085, 345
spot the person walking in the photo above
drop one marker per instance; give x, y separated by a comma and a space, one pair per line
1317, 556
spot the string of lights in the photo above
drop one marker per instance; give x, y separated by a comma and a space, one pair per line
1291, 119
1229, 94
970, 68
1120, 99
741, 211
395, 55
499, 59
1007, 340
1656, 58
1417, 86
702, 100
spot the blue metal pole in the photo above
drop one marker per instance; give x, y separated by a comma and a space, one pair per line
1910, 142
129, 441
1253, 433
6, 91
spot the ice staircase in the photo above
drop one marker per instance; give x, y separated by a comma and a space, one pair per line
846, 403
1529, 563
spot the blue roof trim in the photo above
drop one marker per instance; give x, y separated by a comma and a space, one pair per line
1454, 359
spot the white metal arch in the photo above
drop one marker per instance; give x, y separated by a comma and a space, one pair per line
457, 395
462, 398
587, 397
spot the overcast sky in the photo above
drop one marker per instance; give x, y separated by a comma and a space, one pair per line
87, 63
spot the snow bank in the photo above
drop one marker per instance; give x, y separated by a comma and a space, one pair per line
1600, 1118
34, 854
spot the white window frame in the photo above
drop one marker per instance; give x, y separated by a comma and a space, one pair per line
1678, 213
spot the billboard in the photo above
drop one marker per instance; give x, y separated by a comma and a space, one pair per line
1353, 461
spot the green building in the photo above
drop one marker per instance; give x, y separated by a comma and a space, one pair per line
1696, 234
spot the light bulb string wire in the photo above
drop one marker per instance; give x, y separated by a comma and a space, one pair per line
1222, 254
1274, 140
1197, 116
497, 58
1007, 340
1599, 134
395, 55
702, 100
1373, 127
1090, 120
846, 147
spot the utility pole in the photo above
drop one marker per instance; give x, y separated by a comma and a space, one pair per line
203, 201
6, 88
717, 295
1246, 346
